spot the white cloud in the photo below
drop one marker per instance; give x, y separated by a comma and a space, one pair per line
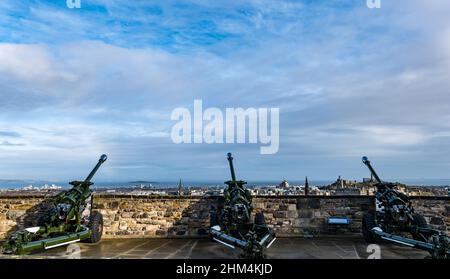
31, 63
393, 136
347, 83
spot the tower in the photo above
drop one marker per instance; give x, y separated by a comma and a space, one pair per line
306, 186
180, 189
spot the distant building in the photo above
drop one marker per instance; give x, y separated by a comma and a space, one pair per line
348, 187
284, 184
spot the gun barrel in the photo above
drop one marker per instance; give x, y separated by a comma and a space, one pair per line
374, 174
94, 170
230, 161
227, 240
429, 247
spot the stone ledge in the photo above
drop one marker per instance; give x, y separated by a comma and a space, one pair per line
126, 196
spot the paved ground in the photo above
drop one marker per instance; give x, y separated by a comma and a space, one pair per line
283, 248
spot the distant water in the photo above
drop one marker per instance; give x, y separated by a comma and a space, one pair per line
18, 184
424, 182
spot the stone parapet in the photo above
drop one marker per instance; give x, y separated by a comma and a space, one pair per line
128, 216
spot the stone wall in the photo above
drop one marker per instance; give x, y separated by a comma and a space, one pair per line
19, 212
307, 216
128, 216
152, 216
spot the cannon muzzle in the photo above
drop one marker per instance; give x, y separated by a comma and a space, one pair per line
365, 160
94, 170
103, 158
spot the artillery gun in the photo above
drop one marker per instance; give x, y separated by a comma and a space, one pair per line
232, 226
394, 214
70, 219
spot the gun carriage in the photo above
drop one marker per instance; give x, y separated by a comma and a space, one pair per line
70, 219
232, 226
394, 215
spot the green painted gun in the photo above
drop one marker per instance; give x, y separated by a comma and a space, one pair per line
69, 220
394, 215
233, 228
438, 245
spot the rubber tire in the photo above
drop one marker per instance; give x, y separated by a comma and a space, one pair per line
96, 226
213, 219
420, 222
368, 223
260, 219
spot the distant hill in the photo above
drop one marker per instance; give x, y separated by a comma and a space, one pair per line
141, 182
11, 180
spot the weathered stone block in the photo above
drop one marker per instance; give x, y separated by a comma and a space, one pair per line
14, 214
305, 213
292, 214
314, 203
302, 204
161, 232
4, 227
436, 221
280, 214
122, 226
127, 215
113, 205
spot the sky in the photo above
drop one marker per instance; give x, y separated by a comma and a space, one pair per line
349, 81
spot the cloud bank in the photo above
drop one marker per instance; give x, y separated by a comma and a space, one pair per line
349, 81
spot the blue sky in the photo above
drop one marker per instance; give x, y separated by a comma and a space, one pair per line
349, 81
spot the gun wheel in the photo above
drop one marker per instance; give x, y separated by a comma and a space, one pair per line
368, 223
96, 226
260, 219
213, 219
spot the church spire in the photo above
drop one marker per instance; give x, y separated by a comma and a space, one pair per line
180, 188
306, 186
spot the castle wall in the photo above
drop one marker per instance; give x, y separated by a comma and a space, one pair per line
127, 216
